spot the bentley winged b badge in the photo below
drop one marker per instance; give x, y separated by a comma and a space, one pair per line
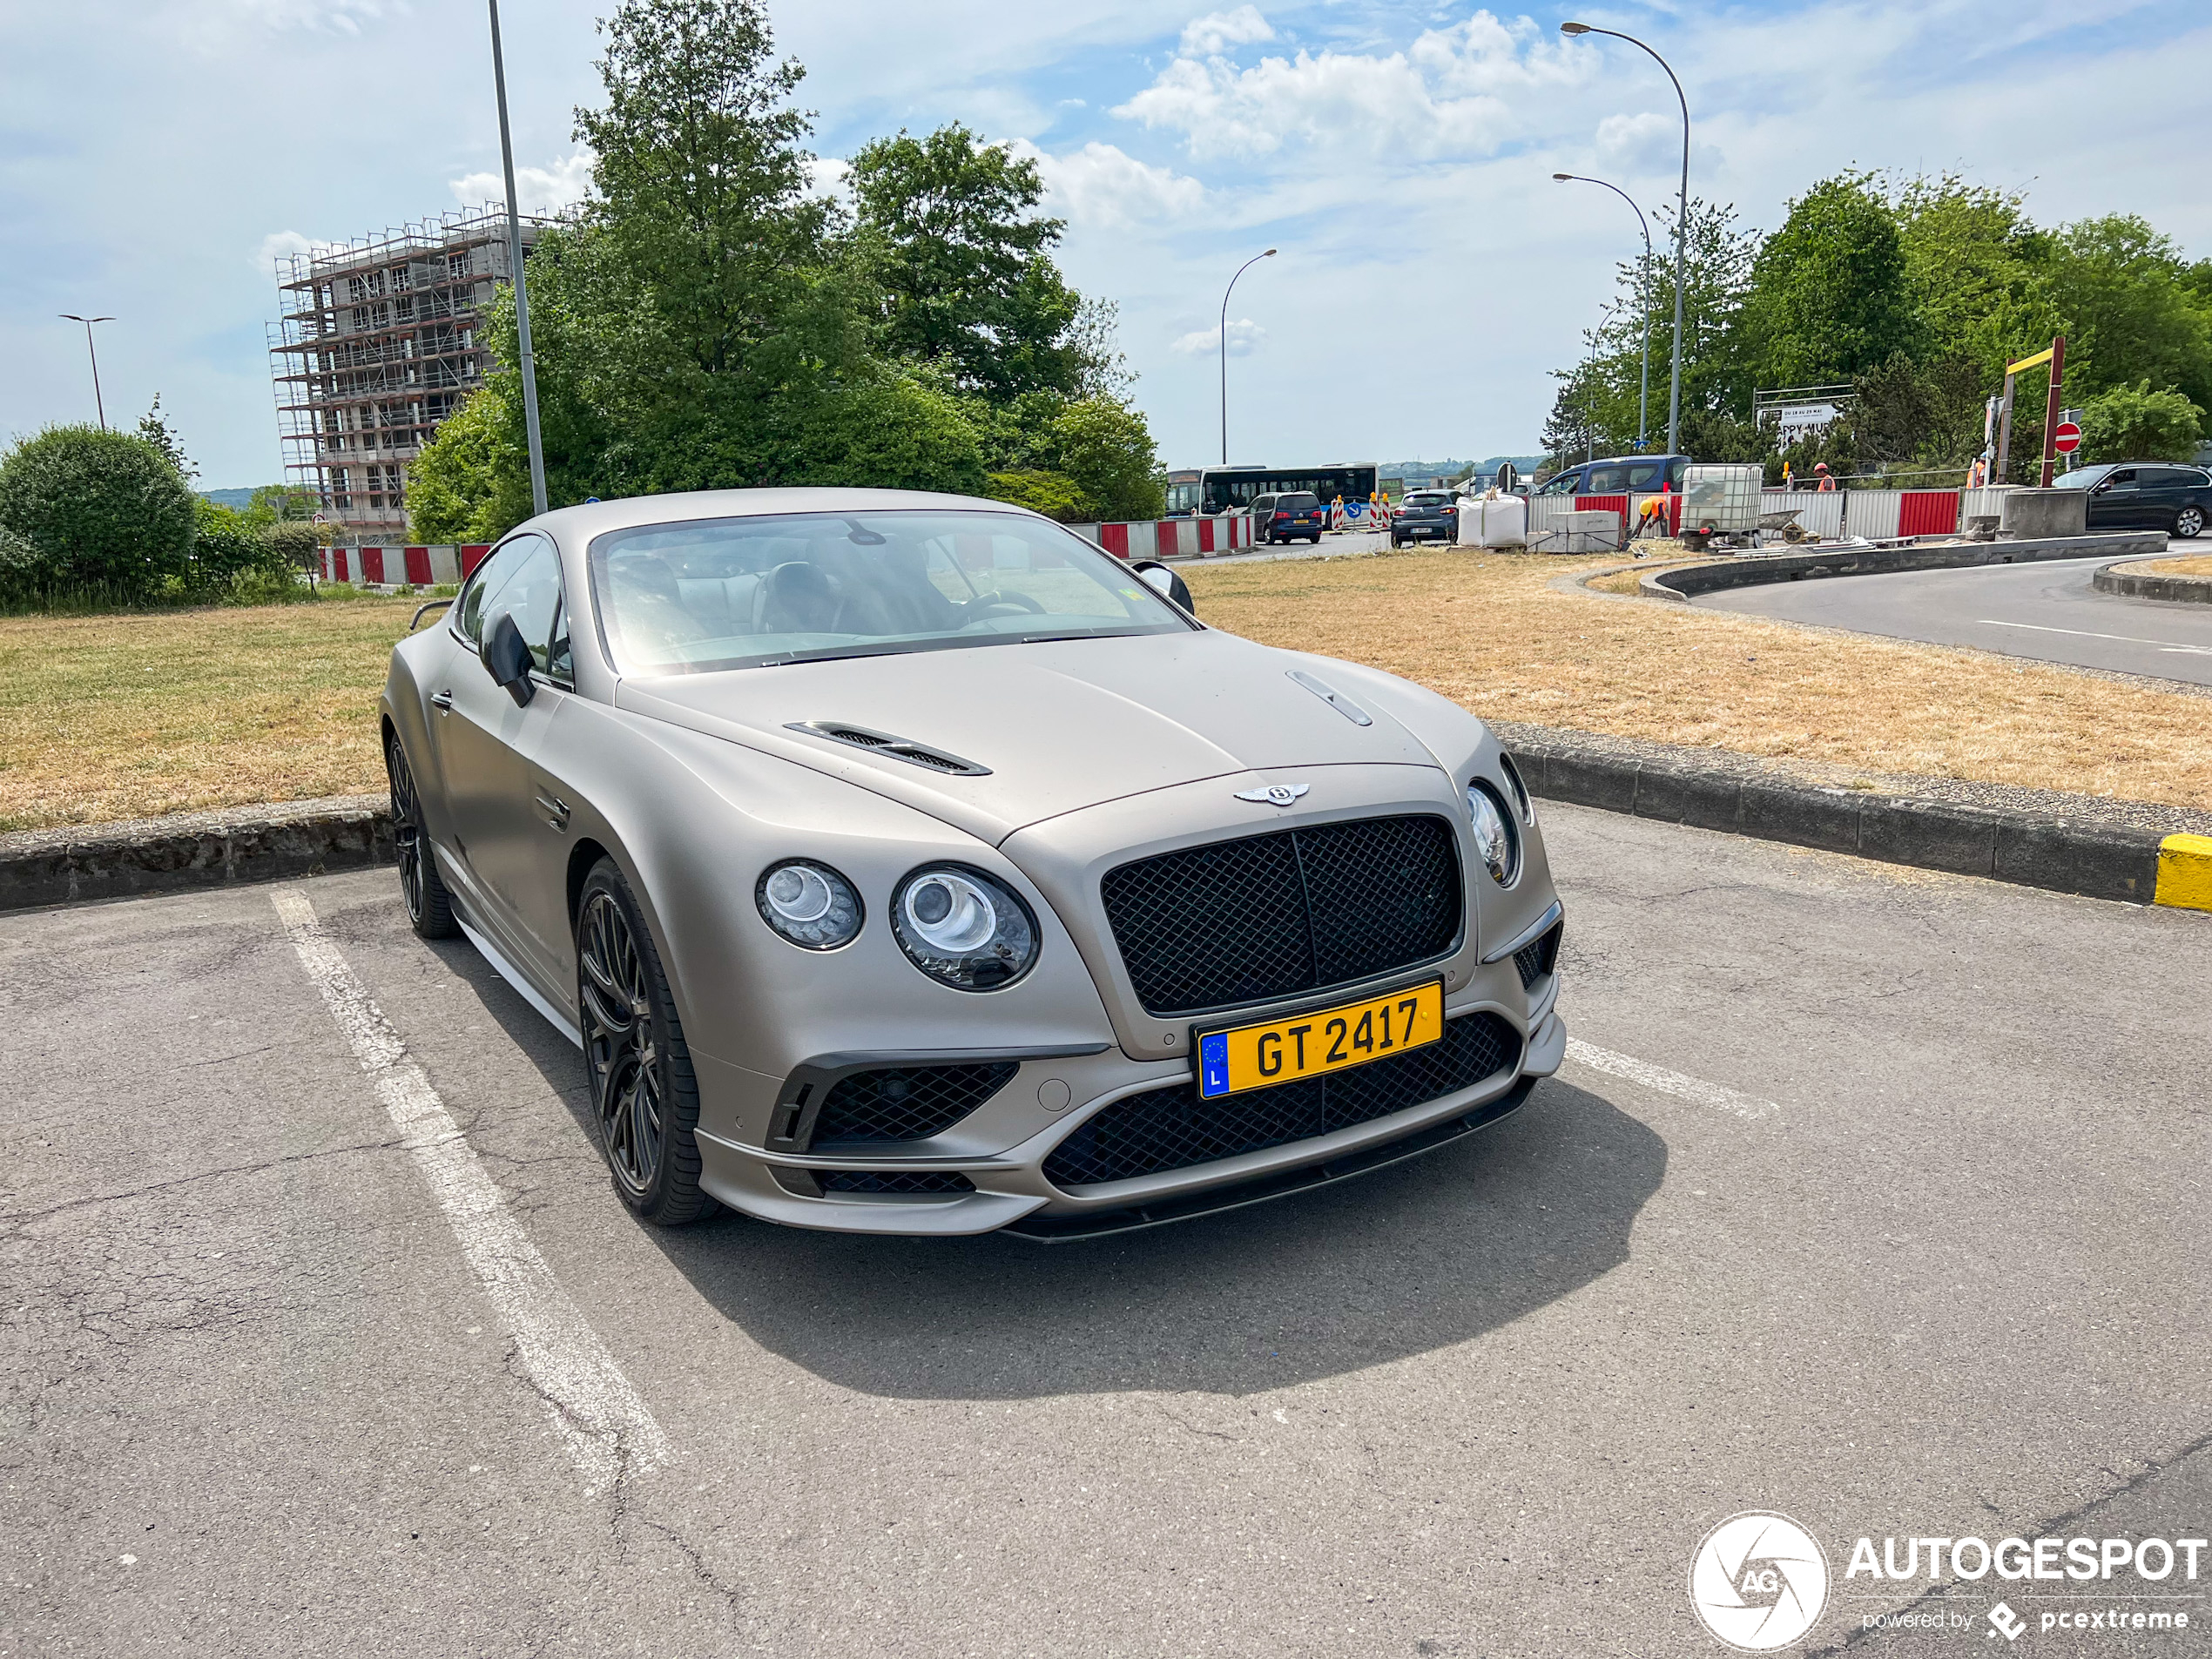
1274, 794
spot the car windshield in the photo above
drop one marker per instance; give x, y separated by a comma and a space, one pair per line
2080, 478
722, 593
1297, 503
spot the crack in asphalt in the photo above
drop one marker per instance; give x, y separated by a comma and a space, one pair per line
16, 1221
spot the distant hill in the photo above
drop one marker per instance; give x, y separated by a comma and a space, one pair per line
1450, 469
237, 499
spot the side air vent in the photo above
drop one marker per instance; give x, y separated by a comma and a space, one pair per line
897, 748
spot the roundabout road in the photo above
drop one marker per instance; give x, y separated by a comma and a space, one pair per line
2047, 610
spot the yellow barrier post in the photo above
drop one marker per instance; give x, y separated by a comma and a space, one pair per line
2185, 872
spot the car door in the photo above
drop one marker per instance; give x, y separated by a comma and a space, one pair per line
2113, 502
485, 742
2160, 492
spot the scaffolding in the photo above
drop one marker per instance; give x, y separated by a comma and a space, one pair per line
376, 342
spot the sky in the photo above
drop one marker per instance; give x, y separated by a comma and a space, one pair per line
155, 156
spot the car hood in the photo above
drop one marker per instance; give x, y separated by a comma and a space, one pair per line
1060, 725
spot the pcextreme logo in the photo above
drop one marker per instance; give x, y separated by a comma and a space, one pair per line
1758, 1581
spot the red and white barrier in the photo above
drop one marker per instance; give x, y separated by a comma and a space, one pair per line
1877, 514
394, 567
1170, 538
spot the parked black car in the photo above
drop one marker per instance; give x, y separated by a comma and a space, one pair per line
1286, 517
2144, 495
1426, 515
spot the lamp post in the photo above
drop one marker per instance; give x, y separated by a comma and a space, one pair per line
1643, 397
515, 263
70, 316
1681, 226
1226, 292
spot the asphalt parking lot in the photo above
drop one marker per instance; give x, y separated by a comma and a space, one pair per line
1883, 1205
2049, 611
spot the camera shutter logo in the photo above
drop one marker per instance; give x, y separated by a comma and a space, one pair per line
1758, 1581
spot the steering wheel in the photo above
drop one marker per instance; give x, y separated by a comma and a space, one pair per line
1006, 602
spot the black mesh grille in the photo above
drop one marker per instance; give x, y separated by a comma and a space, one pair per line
907, 1103
1273, 915
893, 1181
1172, 1128
1538, 959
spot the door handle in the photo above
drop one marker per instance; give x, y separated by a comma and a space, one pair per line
442, 701
555, 810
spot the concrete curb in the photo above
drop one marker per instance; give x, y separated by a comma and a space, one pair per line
1685, 583
194, 850
2064, 855
2132, 582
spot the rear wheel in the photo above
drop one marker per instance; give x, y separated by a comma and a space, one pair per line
644, 1096
2189, 523
429, 907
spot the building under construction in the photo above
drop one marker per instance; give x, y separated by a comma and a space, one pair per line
378, 341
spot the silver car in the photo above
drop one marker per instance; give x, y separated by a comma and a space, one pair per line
905, 864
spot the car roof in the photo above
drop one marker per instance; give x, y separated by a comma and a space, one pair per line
591, 519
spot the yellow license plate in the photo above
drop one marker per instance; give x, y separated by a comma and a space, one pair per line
1295, 1046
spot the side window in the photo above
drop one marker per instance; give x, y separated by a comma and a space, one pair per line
2124, 479
1645, 477
1608, 481
1676, 468
490, 576
531, 594
1562, 485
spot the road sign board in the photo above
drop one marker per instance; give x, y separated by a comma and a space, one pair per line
2065, 437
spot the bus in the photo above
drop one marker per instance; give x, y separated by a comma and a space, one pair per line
1211, 490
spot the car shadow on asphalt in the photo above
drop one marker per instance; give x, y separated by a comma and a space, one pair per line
1408, 1259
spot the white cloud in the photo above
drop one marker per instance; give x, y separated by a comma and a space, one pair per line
1446, 94
537, 190
1208, 36
277, 246
337, 17
829, 177
1245, 337
1101, 186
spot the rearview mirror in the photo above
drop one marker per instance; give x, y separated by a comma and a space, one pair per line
507, 659
1163, 579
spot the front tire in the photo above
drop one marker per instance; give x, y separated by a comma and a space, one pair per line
645, 1095
2189, 523
429, 907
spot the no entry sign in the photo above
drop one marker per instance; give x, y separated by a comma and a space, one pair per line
2065, 437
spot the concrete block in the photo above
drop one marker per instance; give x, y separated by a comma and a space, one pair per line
1929, 836
1805, 816
2031, 514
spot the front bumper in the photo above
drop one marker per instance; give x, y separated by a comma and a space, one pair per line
1012, 1190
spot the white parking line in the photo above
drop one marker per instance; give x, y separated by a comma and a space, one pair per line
1677, 1083
2083, 633
598, 1416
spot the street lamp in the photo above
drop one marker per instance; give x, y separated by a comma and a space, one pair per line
1226, 292
1682, 226
515, 262
1643, 398
70, 316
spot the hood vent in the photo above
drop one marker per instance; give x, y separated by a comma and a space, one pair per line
896, 748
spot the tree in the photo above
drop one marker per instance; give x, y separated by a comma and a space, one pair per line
103, 509
2134, 423
1976, 272
154, 428
471, 481
281, 504
1054, 494
947, 232
2131, 313
1829, 298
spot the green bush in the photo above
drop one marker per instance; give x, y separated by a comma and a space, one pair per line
105, 512
2134, 423
1054, 494
293, 545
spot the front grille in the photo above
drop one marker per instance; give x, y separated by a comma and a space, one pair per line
1173, 1129
1267, 916
1535, 960
892, 1181
908, 1103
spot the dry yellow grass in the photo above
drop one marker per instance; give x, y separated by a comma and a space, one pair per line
1490, 632
105, 718
2193, 564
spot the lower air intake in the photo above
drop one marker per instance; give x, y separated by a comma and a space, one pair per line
1538, 958
921, 1180
1173, 1129
908, 1103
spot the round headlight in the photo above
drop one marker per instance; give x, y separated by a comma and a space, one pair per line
809, 904
962, 928
1494, 833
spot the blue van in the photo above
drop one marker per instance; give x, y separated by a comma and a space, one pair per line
1618, 476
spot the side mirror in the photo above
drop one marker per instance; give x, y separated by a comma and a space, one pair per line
507, 659
1163, 579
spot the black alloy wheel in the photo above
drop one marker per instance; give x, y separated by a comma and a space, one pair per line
645, 1095
429, 907
2189, 523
